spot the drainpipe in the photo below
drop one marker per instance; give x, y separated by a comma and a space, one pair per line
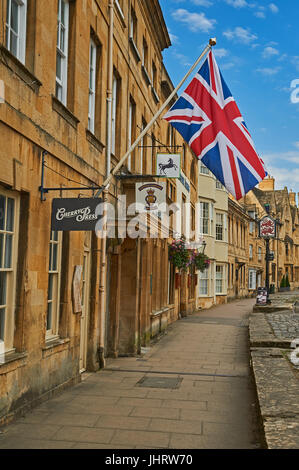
103, 267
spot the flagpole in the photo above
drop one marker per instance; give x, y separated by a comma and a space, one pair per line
212, 42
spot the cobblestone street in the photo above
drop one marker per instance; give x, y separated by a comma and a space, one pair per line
285, 325
192, 390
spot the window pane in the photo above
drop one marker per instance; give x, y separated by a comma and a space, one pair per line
2, 323
58, 92
62, 12
7, 37
50, 257
49, 316
10, 215
54, 259
14, 20
8, 251
3, 282
58, 65
1, 249
62, 36
50, 287
2, 212
13, 44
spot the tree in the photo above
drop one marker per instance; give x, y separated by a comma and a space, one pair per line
283, 282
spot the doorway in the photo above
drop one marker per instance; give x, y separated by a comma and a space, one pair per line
85, 299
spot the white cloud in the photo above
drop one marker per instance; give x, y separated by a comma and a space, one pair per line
295, 61
268, 71
173, 38
221, 52
202, 3
194, 21
273, 8
228, 65
237, 3
242, 34
183, 59
270, 52
296, 145
260, 14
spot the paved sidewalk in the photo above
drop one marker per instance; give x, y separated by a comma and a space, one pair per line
191, 390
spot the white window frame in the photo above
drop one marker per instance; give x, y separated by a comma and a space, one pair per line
251, 279
202, 219
55, 274
203, 169
21, 25
113, 115
219, 279
219, 225
251, 222
259, 253
144, 53
142, 147
10, 271
219, 185
62, 51
203, 285
250, 251
130, 121
92, 85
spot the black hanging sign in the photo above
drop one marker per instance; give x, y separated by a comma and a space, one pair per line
75, 214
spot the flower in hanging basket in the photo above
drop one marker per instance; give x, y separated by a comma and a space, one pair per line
201, 261
179, 255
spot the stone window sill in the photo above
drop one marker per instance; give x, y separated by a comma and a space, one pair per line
94, 141
134, 49
155, 95
11, 361
19, 69
159, 312
120, 13
55, 346
146, 75
64, 112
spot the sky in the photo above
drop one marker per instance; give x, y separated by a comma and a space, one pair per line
258, 54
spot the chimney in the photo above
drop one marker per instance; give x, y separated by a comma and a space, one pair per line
267, 184
292, 198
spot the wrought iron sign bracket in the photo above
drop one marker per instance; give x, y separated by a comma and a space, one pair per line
44, 190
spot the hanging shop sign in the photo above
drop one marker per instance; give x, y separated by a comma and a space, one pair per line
168, 165
75, 214
149, 196
267, 227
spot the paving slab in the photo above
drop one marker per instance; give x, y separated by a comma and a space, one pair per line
200, 394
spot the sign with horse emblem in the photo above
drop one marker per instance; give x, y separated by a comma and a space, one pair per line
168, 165
149, 196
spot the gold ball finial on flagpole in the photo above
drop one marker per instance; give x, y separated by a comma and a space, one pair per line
213, 42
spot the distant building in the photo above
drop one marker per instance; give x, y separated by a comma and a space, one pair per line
213, 209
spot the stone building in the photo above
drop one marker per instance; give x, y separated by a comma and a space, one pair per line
213, 209
65, 71
281, 205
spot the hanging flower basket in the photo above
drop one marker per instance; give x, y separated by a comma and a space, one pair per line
201, 261
182, 258
179, 255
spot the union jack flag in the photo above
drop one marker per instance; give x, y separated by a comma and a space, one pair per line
208, 118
